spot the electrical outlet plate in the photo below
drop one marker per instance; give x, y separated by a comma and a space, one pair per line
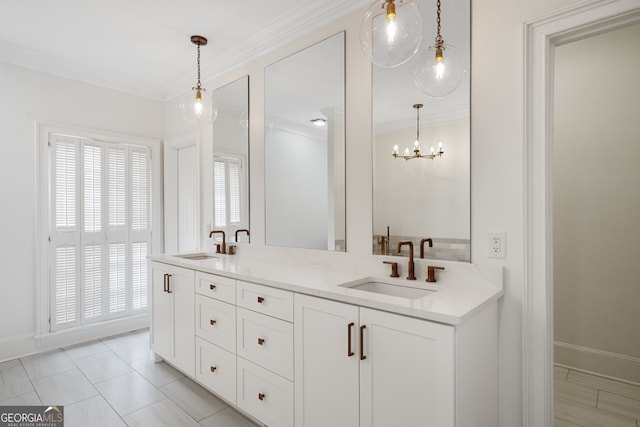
497, 244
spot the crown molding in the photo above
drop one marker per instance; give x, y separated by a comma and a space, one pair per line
70, 69
307, 16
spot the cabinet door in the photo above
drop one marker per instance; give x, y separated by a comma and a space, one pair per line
161, 313
216, 369
182, 288
407, 377
326, 372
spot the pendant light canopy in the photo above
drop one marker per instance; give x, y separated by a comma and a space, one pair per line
197, 106
441, 67
391, 32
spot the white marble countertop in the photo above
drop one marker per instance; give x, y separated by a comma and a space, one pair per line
461, 290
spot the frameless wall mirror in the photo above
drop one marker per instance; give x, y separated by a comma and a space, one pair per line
231, 160
423, 198
305, 148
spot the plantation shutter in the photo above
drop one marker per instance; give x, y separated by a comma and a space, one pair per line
227, 193
101, 230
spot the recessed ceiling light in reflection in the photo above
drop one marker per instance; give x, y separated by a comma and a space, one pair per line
319, 122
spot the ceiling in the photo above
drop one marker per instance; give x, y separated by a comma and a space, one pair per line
143, 46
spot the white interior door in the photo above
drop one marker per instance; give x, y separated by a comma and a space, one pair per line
181, 193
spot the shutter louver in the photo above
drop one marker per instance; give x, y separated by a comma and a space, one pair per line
219, 193
65, 185
139, 190
92, 165
65, 285
234, 192
139, 285
117, 190
92, 281
117, 278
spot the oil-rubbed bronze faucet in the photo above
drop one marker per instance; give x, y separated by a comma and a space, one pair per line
431, 272
241, 230
422, 242
220, 249
412, 275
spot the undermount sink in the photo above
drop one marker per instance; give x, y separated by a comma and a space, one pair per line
195, 257
386, 288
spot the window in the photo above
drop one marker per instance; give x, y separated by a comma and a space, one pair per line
100, 232
227, 193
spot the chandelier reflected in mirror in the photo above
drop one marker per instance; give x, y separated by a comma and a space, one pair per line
417, 153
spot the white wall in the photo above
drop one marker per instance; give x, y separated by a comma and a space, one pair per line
296, 181
406, 192
596, 201
28, 97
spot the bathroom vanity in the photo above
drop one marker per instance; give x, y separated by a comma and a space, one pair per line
297, 346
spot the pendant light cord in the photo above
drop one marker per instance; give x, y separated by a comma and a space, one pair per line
198, 44
418, 124
439, 40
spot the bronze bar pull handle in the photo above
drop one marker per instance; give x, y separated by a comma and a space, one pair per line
212, 286
260, 341
260, 300
213, 369
362, 355
213, 322
349, 351
261, 396
164, 284
169, 284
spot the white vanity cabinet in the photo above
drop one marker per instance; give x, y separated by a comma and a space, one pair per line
289, 359
172, 318
362, 367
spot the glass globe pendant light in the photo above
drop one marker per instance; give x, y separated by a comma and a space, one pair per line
391, 37
441, 67
197, 106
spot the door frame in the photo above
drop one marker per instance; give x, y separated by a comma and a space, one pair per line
541, 38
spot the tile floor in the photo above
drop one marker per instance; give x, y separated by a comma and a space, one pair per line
113, 382
587, 400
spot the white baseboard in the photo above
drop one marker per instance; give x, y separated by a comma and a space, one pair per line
24, 345
604, 363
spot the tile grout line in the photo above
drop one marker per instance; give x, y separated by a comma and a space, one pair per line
99, 393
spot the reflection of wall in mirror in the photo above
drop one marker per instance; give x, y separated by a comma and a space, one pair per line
296, 190
424, 198
228, 135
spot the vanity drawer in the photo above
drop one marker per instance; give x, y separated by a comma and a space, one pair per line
218, 287
216, 322
264, 395
216, 369
264, 299
266, 341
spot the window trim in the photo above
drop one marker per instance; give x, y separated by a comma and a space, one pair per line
43, 171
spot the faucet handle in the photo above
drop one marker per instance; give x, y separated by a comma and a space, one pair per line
218, 251
232, 250
394, 268
431, 272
